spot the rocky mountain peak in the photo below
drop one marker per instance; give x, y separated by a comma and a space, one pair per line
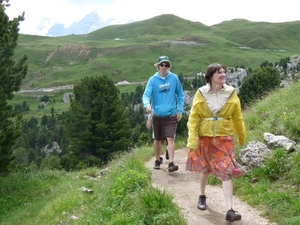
89, 23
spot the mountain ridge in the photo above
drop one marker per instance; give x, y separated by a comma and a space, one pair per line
89, 23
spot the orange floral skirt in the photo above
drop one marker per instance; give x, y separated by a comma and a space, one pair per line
215, 156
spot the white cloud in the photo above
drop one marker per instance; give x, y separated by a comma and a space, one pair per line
206, 12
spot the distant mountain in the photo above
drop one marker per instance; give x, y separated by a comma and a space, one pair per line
87, 24
42, 28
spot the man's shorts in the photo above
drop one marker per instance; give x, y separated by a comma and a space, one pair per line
164, 127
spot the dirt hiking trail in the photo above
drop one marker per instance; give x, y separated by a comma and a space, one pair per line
184, 185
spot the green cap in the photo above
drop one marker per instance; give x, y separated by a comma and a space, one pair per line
163, 59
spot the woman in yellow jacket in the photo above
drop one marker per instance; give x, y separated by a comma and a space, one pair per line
215, 115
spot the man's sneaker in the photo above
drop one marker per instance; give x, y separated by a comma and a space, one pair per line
167, 154
201, 202
172, 167
231, 216
156, 165
161, 160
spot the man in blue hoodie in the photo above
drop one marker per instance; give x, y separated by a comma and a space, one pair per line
164, 98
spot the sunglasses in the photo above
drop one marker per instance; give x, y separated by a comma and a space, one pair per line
165, 65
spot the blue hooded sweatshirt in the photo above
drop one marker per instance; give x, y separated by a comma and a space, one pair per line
165, 95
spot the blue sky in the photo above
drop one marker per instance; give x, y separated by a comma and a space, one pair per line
208, 12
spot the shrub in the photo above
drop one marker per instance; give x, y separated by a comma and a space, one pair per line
277, 165
128, 182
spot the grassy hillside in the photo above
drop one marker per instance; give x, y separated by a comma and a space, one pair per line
191, 46
124, 195
277, 184
33, 100
262, 35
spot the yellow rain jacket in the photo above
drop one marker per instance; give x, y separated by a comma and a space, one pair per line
228, 120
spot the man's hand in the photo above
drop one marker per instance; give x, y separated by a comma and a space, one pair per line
149, 124
148, 109
179, 117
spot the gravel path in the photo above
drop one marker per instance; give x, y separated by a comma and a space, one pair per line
185, 187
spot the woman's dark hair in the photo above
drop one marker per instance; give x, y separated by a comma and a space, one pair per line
211, 69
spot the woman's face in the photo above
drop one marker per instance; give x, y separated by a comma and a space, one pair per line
219, 77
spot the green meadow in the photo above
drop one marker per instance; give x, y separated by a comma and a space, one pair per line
191, 46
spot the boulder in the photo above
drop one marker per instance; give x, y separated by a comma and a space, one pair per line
277, 141
254, 154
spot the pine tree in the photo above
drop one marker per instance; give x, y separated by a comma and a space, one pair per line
11, 75
259, 83
98, 124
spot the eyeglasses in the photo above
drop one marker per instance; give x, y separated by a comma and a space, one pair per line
165, 65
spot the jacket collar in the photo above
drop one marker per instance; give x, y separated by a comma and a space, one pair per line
207, 88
